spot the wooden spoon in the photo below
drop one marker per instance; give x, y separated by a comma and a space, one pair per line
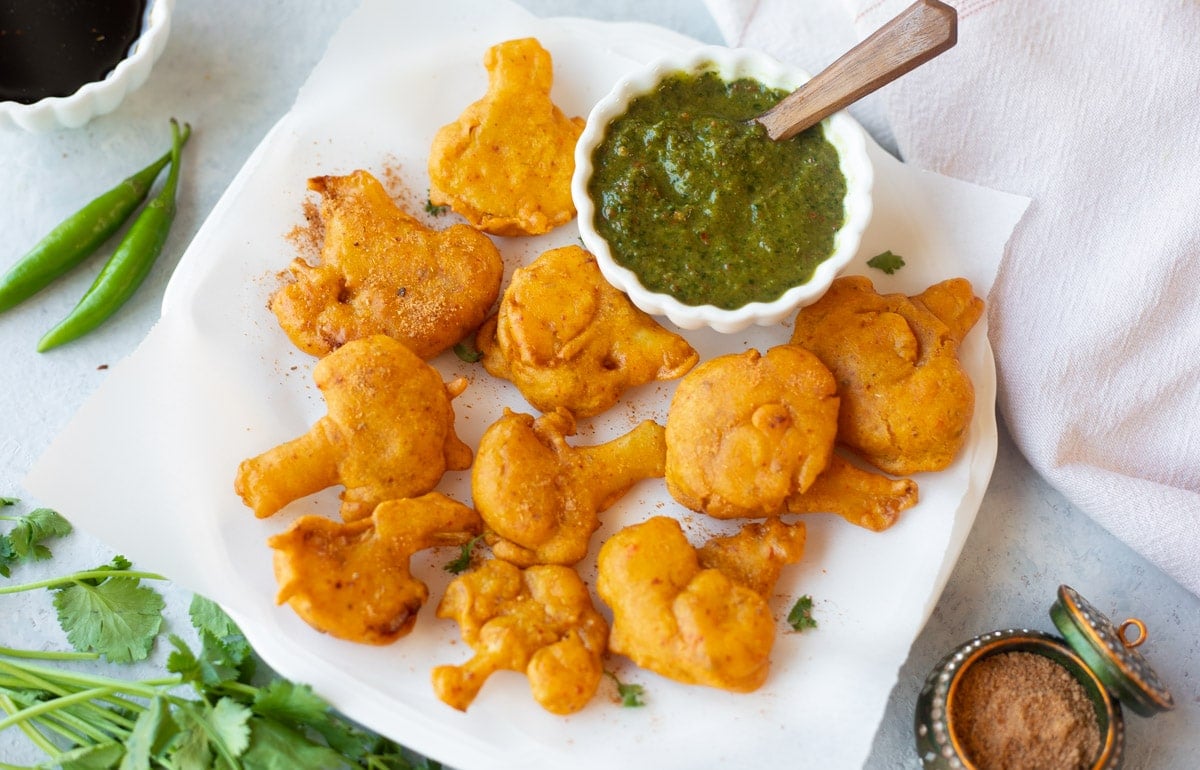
920, 32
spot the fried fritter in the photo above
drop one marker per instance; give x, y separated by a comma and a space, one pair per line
539, 621
756, 555
869, 500
540, 497
506, 163
746, 431
566, 338
383, 272
690, 622
389, 433
352, 580
906, 399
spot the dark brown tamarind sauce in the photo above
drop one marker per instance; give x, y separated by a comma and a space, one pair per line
52, 47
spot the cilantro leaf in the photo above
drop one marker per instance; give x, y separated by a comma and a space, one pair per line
800, 616
8, 556
631, 695
152, 731
435, 210
462, 562
229, 721
97, 756
32, 529
275, 746
294, 704
207, 616
24, 542
117, 617
887, 262
191, 746
184, 662
467, 352
225, 654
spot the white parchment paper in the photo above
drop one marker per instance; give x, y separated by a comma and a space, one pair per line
148, 463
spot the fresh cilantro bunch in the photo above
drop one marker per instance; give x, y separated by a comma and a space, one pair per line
86, 722
230, 720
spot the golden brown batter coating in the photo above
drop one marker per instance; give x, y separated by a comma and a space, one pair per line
383, 272
389, 433
756, 555
566, 338
906, 400
690, 622
869, 500
506, 163
352, 580
746, 431
539, 621
540, 497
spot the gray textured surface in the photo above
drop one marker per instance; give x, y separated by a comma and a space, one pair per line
233, 69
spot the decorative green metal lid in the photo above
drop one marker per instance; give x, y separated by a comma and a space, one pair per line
1110, 653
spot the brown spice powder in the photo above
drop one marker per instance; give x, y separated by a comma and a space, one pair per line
1023, 711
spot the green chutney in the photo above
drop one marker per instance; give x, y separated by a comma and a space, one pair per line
701, 204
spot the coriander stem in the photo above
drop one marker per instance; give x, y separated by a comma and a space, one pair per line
86, 680
238, 687
48, 654
94, 730
31, 732
51, 705
51, 722
93, 574
55, 679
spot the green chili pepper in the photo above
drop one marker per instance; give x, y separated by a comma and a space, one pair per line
130, 263
78, 236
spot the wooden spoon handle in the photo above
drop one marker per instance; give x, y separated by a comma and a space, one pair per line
920, 32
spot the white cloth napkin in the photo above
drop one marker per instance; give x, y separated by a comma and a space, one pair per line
1094, 113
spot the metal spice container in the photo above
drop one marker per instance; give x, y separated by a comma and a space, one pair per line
1100, 656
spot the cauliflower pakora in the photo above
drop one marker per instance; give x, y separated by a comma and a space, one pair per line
389, 433
565, 337
539, 621
506, 163
688, 622
906, 400
869, 500
746, 431
541, 497
383, 272
352, 580
756, 555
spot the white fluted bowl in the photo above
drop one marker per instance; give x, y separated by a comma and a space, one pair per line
842, 131
101, 96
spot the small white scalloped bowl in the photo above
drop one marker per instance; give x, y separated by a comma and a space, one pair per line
101, 96
730, 64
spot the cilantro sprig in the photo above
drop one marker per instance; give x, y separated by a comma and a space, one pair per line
631, 695
84, 721
25, 541
233, 723
462, 562
105, 610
